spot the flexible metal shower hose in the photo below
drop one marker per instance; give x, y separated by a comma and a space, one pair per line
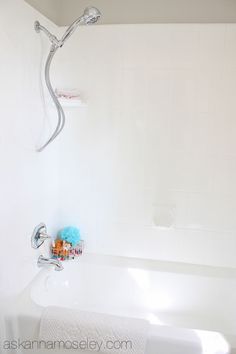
60, 112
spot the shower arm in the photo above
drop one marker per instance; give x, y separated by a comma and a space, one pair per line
53, 39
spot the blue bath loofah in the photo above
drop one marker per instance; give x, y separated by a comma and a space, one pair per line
70, 234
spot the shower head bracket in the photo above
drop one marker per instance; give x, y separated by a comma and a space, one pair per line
37, 26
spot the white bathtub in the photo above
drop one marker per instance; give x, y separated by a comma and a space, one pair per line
190, 308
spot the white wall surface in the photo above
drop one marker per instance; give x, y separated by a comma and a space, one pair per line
28, 180
149, 168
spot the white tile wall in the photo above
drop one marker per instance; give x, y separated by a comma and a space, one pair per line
147, 169
158, 138
28, 180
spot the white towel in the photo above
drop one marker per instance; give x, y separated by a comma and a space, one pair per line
94, 332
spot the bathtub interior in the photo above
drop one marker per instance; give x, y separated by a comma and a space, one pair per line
188, 313
23, 321
162, 297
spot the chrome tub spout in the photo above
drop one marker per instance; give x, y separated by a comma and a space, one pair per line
42, 261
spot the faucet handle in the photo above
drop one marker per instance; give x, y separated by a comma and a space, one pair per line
39, 236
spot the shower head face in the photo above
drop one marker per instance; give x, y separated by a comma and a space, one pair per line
91, 15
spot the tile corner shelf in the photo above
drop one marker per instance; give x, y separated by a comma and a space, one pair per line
72, 103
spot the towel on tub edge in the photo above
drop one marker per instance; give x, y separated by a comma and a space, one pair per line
93, 332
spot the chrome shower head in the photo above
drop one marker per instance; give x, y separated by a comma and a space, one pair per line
91, 15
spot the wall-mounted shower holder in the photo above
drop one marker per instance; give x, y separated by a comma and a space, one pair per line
39, 236
37, 26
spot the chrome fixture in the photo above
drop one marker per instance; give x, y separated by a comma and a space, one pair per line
91, 15
39, 235
37, 239
42, 261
